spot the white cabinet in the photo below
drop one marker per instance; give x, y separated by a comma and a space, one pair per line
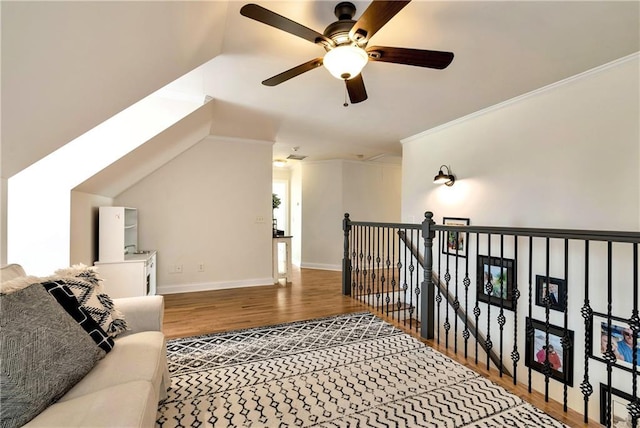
117, 233
135, 276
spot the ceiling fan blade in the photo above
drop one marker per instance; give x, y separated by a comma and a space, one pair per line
268, 17
293, 72
416, 57
356, 89
374, 17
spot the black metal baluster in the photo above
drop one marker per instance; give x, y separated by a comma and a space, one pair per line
439, 295
447, 278
529, 327
587, 315
377, 271
566, 340
515, 355
501, 318
488, 290
476, 309
456, 302
609, 355
634, 325
547, 307
467, 283
387, 264
417, 311
398, 302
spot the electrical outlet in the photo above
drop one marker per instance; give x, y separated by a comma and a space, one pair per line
259, 219
201, 267
177, 269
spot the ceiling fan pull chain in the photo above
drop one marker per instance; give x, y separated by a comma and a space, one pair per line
346, 104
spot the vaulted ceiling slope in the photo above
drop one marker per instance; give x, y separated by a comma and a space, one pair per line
67, 66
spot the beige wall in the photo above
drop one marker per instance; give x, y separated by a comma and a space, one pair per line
201, 207
368, 191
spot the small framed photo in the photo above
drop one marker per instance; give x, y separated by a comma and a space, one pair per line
455, 243
619, 335
557, 292
537, 351
619, 415
494, 279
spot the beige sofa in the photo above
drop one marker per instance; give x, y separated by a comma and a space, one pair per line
124, 387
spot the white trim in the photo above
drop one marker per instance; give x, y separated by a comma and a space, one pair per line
615, 63
320, 266
223, 139
209, 286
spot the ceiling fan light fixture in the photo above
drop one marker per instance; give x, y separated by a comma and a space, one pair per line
345, 62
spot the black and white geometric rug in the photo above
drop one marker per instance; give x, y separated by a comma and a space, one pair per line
343, 371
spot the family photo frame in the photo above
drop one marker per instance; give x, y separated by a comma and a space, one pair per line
557, 292
497, 274
618, 333
619, 415
538, 351
455, 243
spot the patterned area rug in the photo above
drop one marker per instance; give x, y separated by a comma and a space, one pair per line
344, 371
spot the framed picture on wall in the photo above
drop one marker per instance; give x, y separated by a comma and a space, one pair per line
538, 351
494, 281
557, 292
455, 243
619, 415
618, 333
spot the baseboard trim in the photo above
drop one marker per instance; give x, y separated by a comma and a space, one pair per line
209, 286
320, 266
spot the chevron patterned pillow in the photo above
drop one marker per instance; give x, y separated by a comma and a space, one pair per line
86, 286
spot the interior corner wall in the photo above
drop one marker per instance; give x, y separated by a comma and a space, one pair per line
540, 160
84, 226
204, 207
322, 214
368, 191
296, 214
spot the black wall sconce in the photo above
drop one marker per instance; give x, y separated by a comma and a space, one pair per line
447, 179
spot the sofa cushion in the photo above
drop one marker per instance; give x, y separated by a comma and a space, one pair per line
44, 353
131, 404
11, 271
86, 285
68, 301
141, 356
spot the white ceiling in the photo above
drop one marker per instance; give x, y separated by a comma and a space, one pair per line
502, 49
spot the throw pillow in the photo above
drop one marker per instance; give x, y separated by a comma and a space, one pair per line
86, 285
44, 353
68, 301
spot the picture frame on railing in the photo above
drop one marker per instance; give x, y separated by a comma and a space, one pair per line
497, 274
455, 243
557, 292
621, 340
537, 351
619, 416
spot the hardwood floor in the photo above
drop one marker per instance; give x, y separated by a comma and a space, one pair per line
311, 294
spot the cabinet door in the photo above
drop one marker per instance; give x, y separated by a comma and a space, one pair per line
126, 279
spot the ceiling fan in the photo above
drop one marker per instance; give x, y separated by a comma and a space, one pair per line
345, 41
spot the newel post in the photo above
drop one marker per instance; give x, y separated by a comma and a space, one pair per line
346, 261
427, 294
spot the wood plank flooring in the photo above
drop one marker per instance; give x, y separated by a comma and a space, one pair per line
311, 294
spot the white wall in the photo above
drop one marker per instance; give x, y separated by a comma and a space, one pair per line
84, 226
201, 208
565, 156
368, 191
540, 161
